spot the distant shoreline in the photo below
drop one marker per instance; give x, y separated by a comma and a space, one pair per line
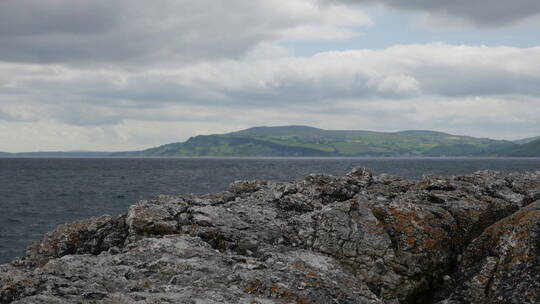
266, 157
305, 141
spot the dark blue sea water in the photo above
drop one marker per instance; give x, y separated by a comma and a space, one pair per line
38, 194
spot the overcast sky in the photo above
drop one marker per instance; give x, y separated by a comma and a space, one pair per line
117, 75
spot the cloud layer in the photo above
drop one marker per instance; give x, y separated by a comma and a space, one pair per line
132, 32
484, 13
399, 72
410, 86
129, 74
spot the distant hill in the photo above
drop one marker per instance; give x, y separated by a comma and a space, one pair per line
304, 141
526, 140
309, 141
530, 149
57, 154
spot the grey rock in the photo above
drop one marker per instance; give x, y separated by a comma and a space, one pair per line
322, 239
503, 264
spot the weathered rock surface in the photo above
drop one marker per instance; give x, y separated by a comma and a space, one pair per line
323, 239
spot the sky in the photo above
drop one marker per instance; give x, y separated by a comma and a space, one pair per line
117, 75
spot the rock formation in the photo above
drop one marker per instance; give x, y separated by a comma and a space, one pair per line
323, 239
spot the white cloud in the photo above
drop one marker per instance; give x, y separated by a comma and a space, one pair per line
128, 74
494, 91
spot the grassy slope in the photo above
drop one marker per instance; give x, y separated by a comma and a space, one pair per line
227, 145
531, 149
307, 141
526, 140
352, 143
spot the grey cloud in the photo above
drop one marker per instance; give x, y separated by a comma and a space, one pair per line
8, 117
484, 13
135, 33
89, 115
99, 31
473, 80
37, 17
383, 83
303, 89
397, 73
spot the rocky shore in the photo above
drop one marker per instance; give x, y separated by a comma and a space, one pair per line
352, 239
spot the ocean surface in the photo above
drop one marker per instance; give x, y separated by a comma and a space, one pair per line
37, 194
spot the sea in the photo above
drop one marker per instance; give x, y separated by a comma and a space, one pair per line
37, 194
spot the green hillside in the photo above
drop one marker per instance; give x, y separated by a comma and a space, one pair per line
308, 141
530, 149
526, 140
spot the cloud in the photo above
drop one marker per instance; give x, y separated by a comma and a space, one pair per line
483, 13
131, 32
128, 74
399, 72
5, 116
507, 118
12, 111
424, 86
